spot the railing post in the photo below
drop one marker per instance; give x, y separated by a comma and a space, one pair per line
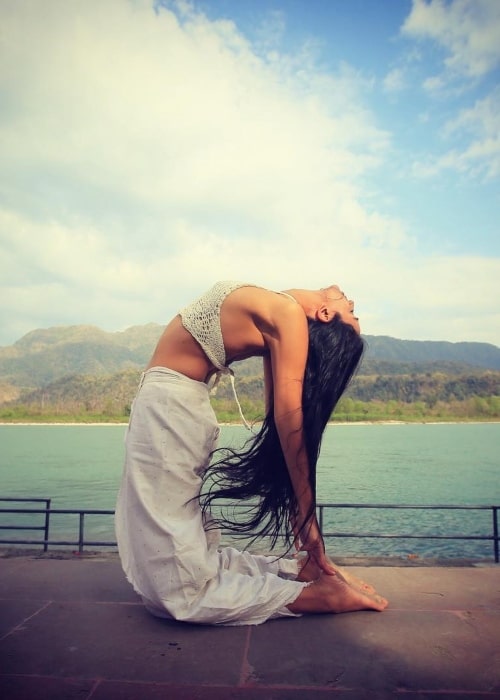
495, 533
320, 517
80, 533
46, 529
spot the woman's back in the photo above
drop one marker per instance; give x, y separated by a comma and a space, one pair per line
250, 319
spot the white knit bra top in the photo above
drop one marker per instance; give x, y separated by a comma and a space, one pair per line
202, 320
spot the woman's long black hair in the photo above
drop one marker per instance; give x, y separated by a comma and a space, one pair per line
256, 477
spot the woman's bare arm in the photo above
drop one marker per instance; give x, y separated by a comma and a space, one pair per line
288, 345
268, 383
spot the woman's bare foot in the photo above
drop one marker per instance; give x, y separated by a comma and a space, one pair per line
310, 572
354, 581
332, 594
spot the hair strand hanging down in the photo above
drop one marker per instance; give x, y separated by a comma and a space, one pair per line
254, 483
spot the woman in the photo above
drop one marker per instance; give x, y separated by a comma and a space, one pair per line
169, 550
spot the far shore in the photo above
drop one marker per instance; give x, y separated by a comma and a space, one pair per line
239, 424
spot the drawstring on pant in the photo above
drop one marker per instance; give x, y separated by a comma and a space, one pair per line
213, 391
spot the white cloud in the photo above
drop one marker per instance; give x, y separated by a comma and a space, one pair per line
482, 122
146, 155
468, 31
477, 129
394, 81
434, 84
270, 32
440, 298
170, 115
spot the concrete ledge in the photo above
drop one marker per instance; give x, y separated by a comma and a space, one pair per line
71, 627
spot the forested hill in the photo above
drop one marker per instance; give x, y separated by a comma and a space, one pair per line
47, 355
385, 348
83, 373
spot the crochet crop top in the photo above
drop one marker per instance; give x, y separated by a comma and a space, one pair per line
202, 320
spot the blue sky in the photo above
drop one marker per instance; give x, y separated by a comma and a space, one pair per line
150, 149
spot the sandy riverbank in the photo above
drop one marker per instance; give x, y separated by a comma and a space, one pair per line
331, 423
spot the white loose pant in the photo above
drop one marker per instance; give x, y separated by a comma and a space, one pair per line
173, 563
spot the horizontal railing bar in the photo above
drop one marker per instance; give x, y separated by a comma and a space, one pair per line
76, 511
25, 500
91, 543
405, 506
73, 543
61, 511
430, 506
374, 535
22, 527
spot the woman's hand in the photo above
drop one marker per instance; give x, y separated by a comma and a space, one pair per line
311, 541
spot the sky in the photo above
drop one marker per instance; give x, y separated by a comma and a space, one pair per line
149, 149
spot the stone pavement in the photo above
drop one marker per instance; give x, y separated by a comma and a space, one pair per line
71, 627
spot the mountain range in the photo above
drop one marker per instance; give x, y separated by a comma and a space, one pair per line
45, 356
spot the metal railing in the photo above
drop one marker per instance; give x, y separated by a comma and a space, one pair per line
81, 542
46, 521
493, 537
47, 512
